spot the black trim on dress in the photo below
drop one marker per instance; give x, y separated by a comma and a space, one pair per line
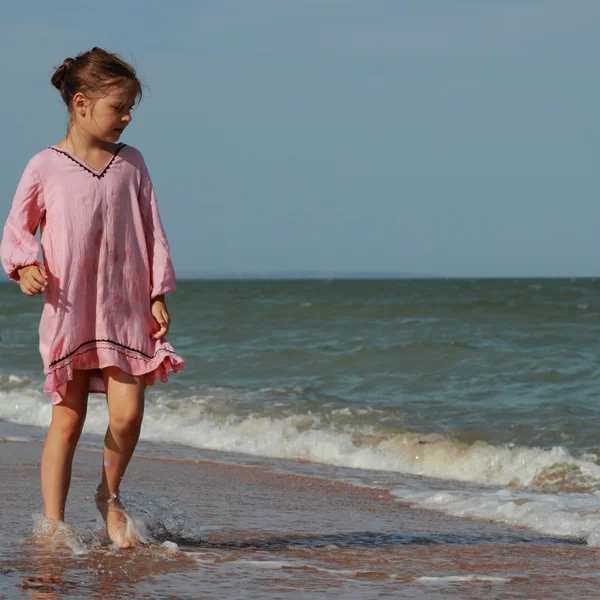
55, 362
98, 174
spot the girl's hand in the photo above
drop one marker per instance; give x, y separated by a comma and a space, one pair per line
161, 317
33, 280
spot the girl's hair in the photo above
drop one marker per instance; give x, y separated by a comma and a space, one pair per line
93, 73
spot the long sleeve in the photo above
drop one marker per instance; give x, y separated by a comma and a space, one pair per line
162, 273
19, 247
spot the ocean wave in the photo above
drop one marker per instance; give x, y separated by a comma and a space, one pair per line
569, 515
13, 382
336, 436
548, 490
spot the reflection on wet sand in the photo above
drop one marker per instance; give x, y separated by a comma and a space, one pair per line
246, 532
50, 570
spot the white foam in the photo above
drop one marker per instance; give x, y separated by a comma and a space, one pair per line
263, 564
170, 547
464, 579
543, 475
16, 438
136, 527
58, 533
572, 515
26, 406
9, 382
311, 437
307, 437
275, 564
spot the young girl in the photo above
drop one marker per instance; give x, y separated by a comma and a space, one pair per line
106, 269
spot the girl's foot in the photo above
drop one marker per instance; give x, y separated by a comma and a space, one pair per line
116, 519
52, 534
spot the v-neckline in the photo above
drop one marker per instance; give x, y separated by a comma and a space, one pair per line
96, 172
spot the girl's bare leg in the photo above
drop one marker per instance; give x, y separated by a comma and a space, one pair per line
125, 397
68, 418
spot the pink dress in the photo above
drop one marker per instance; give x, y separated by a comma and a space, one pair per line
106, 255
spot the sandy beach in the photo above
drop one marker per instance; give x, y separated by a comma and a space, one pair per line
249, 532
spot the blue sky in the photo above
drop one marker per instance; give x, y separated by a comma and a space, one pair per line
431, 136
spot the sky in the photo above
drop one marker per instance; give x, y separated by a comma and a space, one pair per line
445, 137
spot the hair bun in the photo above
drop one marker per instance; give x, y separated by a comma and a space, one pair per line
59, 75
94, 73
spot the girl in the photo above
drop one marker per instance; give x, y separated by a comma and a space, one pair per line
106, 269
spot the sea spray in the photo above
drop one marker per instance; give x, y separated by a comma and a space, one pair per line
54, 534
160, 520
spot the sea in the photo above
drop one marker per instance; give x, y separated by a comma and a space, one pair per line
478, 398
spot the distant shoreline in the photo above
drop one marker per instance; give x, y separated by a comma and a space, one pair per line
315, 275
304, 275
341, 275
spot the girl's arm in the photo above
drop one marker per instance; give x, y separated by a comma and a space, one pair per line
19, 247
162, 274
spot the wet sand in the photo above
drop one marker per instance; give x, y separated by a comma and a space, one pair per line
270, 535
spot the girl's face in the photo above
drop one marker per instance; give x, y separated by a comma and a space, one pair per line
104, 119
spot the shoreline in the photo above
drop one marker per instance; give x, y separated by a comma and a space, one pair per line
246, 531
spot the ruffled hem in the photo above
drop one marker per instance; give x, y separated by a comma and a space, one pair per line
98, 355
